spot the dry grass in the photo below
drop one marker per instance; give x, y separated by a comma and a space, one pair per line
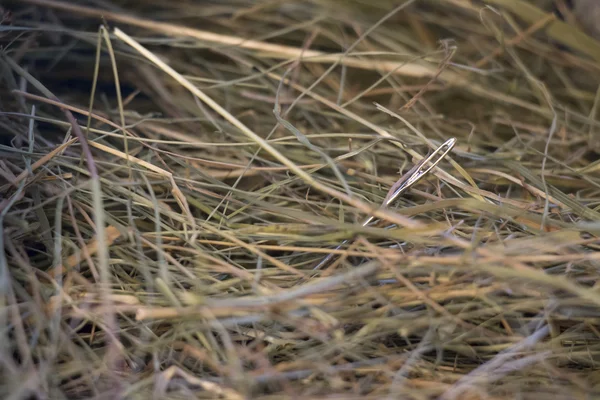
172, 171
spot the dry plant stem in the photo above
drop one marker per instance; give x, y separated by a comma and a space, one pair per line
516, 40
391, 217
559, 30
98, 214
167, 375
486, 371
273, 50
264, 302
495, 296
23, 175
290, 53
175, 189
113, 62
444, 175
429, 301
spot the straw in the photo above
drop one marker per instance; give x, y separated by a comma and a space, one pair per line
172, 172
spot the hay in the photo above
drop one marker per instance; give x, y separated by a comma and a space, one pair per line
172, 171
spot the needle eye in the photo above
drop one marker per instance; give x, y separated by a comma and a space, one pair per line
423, 168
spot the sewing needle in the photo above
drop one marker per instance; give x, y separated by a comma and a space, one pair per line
404, 184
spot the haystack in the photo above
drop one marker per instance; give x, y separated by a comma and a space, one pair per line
172, 172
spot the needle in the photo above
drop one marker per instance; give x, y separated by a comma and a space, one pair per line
404, 184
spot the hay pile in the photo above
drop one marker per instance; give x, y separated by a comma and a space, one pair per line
172, 171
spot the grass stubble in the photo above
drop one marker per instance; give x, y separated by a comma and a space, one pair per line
171, 172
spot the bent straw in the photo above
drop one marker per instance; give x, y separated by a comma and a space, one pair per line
404, 184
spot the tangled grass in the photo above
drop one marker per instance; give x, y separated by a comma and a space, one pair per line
173, 171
